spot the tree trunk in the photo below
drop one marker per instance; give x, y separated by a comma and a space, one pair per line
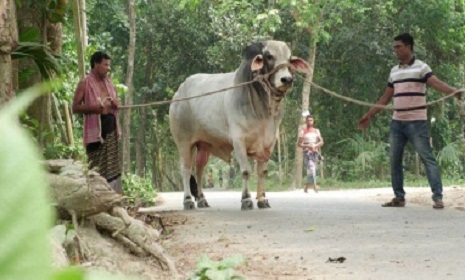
83, 21
280, 170
79, 33
68, 121
8, 42
155, 181
59, 120
71, 185
286, 153
126, 133
54, 33
31, 16
156, 158
417, 166
140, 142
297, 180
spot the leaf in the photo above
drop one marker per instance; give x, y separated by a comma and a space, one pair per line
310, 229
76, 273
59, 231
44, 58
205, 263
71, 273
233, 261
25, 212
215, 274
261, 16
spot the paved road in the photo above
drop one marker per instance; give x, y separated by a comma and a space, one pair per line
303, 230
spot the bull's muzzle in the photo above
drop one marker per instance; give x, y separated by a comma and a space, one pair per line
287, 80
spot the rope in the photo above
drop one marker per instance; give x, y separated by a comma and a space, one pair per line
389, 107
185, 98
260, 78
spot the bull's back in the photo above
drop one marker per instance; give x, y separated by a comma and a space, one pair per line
201, 117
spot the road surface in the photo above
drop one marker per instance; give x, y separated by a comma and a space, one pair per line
295, 238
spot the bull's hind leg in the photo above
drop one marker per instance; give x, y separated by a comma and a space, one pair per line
186, 170
246, 201
201, 160
262, 201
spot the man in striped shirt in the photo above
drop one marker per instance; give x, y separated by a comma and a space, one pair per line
407, 87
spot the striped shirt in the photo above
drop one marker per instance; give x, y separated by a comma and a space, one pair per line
409, 83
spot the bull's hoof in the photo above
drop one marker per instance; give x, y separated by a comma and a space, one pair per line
247, 204
189, 205
202, 203
263, 204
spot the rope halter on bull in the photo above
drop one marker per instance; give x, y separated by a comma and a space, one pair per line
264, 80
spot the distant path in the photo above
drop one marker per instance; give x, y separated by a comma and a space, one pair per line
295, 238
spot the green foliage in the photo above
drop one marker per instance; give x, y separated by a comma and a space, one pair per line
221, 270
56, 11
45, 60
61, 150
237, 24
450, 159
139, 190
23, 226
354, 56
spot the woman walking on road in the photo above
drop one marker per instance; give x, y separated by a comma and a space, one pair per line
310, 141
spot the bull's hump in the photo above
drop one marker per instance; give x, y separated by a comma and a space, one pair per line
205, 77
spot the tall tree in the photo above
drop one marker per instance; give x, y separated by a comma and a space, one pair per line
126, 131
316, 17
32, 20
79, 18
8, 42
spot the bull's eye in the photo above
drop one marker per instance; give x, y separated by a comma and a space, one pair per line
269, 57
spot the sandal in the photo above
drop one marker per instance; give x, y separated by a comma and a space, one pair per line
395, 202
438, 204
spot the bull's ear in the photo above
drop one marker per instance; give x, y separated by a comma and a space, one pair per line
299, 64
257, 63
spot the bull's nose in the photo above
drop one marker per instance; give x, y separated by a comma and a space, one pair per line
287, 80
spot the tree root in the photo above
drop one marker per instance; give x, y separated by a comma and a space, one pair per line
140, 238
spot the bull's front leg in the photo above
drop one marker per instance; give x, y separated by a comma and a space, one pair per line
241, 156
262, 201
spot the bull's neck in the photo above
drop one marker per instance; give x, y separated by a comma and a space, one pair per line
252, 99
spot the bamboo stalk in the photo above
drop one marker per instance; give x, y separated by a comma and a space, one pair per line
69, 126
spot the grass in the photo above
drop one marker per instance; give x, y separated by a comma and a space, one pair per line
273, 185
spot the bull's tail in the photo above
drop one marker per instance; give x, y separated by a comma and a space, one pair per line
193, 187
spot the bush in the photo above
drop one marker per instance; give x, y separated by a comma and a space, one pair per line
139, 190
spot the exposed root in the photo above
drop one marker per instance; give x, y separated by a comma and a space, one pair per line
142, 236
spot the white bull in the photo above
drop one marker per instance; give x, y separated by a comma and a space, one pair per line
244, 119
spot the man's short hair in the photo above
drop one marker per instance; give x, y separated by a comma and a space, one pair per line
97, 57
405, 38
